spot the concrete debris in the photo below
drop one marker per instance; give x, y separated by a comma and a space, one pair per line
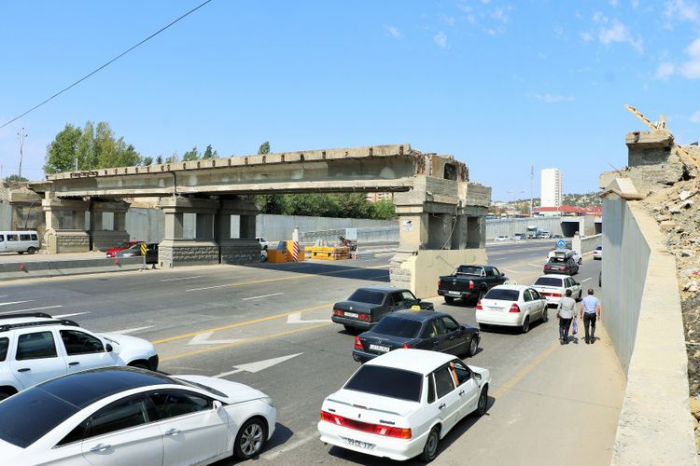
686, 195
690, 286
667, 225
686, 253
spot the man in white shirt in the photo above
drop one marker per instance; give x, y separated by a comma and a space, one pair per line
566, 312
590, 312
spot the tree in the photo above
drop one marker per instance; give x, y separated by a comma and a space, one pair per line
173, 158
106, 151
16, 179
87, 157
210, 153
384, 210
264, 148
147, 161
159, 160
191, 155
61, 153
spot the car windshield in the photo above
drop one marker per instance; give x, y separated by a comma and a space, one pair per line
123, 245
469, 270
367, 296
136, 246
387, 381
548, 281
502, 294
397, 327
27, 426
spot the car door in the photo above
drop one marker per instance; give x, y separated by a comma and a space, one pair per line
398, 301
448, 399
499, 279
441, 341
539, 302
124, 433
84, 351
467, 388
194, 431
531, 305
571, 284
36, 357
455, 336
2, 243
409, 299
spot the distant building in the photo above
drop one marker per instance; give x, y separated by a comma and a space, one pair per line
551, 187
374, 197
560, 211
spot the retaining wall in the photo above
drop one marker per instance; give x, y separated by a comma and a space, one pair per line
42, 269
280, 227
511, 226
642, 314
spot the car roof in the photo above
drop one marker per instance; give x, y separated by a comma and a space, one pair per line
81, 389
553, 275
386, 289
414, 360
420, 316
511, 287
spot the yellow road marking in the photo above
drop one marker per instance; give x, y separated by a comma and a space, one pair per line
243, 342
525, 371
240, 324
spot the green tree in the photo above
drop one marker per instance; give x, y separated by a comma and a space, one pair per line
173, 158
87, 157
191, 155
264, 148
16, 179
61, 153
210, 153
147, 161
159, 160
106, 151
384, 210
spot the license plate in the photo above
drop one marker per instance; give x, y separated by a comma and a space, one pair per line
454, 293
383, 349
495, 309
357, 443
351, 314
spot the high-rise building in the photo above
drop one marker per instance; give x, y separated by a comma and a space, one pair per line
551, 187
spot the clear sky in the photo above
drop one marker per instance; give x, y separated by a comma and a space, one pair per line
501, 85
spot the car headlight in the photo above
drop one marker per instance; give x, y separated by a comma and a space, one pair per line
268, 401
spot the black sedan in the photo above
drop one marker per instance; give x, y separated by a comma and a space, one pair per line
426, 330
135, 251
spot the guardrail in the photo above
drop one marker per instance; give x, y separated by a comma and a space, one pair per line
40, 269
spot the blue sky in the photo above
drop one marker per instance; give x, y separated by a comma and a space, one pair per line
501, 85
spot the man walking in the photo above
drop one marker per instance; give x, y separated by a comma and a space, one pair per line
566, 312
590, 311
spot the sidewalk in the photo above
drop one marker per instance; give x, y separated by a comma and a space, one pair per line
562, 408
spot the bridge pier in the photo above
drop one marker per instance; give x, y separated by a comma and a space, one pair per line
101, 237
65, 225
176, 249
237, 247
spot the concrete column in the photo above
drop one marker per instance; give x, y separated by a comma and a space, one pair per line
100, 237
79, 220
95, 220
247, 227
175, 250
205, 226
245, 248
120, 221
61, 238
459, 235
173, 225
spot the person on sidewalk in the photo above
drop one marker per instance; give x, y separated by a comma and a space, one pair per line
566, 312
590, 312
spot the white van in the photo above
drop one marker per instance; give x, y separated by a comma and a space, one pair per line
19, 241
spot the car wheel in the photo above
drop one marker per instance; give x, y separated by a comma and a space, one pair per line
473, 346
449, 299
580, 295
483, 404
31, 250
250, 439
545, 316
526, 325
431, 445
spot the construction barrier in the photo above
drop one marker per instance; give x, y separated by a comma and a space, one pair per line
276, 256
328, 253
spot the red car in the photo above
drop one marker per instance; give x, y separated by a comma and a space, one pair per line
111, 252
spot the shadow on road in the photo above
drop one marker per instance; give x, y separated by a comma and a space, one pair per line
350, 269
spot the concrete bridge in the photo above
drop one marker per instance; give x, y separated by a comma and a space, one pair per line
442, 213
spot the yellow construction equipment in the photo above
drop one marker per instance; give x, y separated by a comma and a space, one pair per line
659, 127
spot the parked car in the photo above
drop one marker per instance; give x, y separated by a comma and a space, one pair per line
35, 347
598, 253
112, 252
561, 265
556, 236
469, 282
402, 403
19, 242
553, 288
543, 234
264, 244
564, 253
366, 306
519, 236
129, 416
135, 251
511, 306
502, 238
426, 330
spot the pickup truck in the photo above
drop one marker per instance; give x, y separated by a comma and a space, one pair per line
470, 282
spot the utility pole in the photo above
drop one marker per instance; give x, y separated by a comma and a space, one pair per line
22, 136
532, 186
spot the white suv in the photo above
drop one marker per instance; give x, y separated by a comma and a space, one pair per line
36, 347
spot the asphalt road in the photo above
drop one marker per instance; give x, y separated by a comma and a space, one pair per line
229, 320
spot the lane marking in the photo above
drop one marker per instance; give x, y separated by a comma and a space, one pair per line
286, 448
296, 319
10, 303
180, 279
208, 288
203, 339
129, 330
586, 279
525, 371
31, 309
242, 342
63, 316
260, 297
255, 367
240, 324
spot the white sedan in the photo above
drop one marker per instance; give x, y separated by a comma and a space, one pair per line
511, 306
127, 416
553, 287
598, 253
399, 405
502, 238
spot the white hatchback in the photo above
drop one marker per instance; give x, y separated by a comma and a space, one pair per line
399, 405
553, 287
511, 306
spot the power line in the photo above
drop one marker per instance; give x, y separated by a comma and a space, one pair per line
106, 64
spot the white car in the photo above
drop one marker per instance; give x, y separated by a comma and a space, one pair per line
565, 253
501, 238
598, 253
553, 287
127, 416
35, 347
264, 244
399, 405
511, 306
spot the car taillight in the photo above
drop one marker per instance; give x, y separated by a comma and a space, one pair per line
406, 346
364, 317
555, 295
338, 312
439, 284
377, 429
564, 269
471, 284
514, 308
358, 343
546, 267
479, 307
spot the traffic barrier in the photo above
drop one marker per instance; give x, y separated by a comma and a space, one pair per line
328, 253
276, 256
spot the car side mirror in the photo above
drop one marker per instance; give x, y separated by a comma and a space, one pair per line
109, 348
217, 405
503, 274
477, 376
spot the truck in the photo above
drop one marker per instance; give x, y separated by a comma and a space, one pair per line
469, 282
532, 231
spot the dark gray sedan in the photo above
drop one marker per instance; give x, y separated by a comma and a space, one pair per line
135, 251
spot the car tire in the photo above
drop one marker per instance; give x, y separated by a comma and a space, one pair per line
580, 295
483, 405
31, 250
526, 325
545, 315
473, 346
449, 299
431, 445
250, 439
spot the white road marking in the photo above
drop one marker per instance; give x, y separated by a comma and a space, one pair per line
130, 330
179, 279
63, 316
254, 367
32, 309
272, 455
263, 296
296, 319
10, 303
586, 279
203, 339
208, 287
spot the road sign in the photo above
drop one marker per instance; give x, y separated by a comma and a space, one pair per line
143, 249
561, 243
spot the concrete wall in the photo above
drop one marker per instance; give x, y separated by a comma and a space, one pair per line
586, 244
41, 269
146, 224
511, 226
5, 216
361, 235
279, 227
642, 314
